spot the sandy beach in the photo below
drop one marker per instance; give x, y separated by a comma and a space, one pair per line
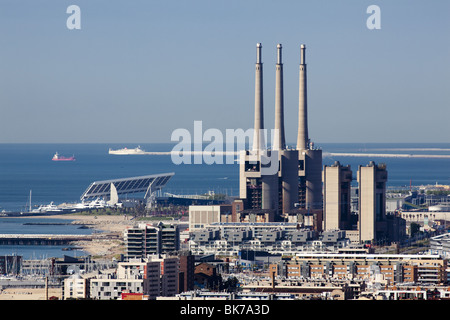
108, 242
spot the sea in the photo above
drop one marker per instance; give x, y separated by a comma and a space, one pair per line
29, 177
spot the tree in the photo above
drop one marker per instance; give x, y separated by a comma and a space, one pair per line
415, 228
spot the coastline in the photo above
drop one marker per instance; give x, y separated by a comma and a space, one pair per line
108, 232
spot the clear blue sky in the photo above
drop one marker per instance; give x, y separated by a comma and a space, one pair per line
137, 70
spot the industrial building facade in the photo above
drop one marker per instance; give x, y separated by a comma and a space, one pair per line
369, 221
301, 187
297, 182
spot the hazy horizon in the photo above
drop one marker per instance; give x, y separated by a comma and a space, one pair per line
136, 71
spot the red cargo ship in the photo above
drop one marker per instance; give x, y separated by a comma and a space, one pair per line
57, 157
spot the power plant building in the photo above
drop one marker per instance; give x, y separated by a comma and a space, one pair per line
337, 181
282, 184
277, 181
372, 202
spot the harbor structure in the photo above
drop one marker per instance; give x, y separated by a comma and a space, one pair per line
113, 188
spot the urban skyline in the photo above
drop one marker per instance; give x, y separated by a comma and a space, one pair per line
304, 231
135, 73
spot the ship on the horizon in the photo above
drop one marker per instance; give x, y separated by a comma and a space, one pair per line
58, 157
136, 150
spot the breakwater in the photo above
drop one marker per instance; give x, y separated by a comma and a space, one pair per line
325, 153
41, 239
388, 155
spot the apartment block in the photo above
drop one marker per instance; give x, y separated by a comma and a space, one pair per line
372, 202
419, 269
147, 239
337, 181
76, 287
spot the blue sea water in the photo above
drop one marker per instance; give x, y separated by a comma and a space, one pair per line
25, 167
28, 167
13, 225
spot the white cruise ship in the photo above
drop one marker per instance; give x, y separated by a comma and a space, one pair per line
137, 150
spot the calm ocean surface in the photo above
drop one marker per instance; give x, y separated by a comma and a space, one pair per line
25, 167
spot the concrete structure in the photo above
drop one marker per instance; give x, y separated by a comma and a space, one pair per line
372, 202
76, 287
146, 239
155, 276
309, 158
107, 287
277, 238
279, 142
302, 136
337, 181
422, 216
169, 274
111, 189
360, 211
297, 182
441, 245
207, 295
144, 269
10, 265
395, 268
186, 271
258, 137
202, 216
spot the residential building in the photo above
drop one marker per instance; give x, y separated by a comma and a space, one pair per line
337, 181
276, 237
394, 268
147, 239
76, 287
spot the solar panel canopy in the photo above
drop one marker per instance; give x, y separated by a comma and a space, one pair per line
149, 183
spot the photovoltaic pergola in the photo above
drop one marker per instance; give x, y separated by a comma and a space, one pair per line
147, 184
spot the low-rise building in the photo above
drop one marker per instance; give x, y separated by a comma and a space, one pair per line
441, 245
394, 268
108, 287
154, 276
76, 287
275, 237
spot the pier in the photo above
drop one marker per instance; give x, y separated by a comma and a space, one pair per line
41, 239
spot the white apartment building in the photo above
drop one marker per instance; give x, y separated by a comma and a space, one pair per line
76, 287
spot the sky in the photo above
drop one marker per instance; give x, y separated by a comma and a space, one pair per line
136, 70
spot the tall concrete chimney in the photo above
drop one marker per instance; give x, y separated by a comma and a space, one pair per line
302, 137
279, 140
258, 137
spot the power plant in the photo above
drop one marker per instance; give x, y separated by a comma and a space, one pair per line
295, 189
300, 190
